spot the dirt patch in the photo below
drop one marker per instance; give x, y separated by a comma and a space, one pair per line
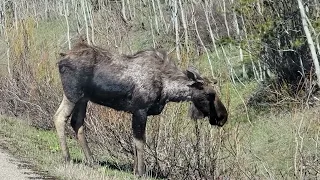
11, 168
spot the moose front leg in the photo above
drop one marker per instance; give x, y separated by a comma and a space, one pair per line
139, 120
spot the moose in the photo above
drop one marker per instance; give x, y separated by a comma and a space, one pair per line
140, 84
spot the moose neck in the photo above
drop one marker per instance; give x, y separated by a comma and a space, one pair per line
177, 89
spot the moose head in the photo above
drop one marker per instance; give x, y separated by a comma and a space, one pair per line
205, 101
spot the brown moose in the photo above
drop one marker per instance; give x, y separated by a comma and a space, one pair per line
140, 84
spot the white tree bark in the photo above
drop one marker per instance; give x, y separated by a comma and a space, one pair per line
90, 17
46, 11
83, 5
310, 41
236, 26
206, 12
201, 42
254, 68
123, 11
316, 38
176, 25
151, 26
225, 17
155, 17
185, 27
129, 9
162, 17
67, 23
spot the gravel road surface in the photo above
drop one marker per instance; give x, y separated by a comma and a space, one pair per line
13, 169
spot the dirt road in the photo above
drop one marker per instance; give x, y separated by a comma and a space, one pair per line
12, 169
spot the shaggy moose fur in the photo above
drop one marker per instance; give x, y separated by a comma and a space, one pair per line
140, 84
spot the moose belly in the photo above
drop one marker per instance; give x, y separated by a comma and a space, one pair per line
117, 95
120, 103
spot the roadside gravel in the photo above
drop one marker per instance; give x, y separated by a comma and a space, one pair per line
13, 169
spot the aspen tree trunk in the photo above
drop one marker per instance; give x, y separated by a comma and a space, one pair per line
310, 41
317, 7
90, 17
236, 25
60, 8
316, 36
15, 16
83, 4
67, 22
134, 9
151, 27
254, 68
176, 25
46, 9
123, 11
185, 27
225, 17
162, 17
205, 8
155, 17
259, 8
129, 9
76, 10
201, 42
5, 20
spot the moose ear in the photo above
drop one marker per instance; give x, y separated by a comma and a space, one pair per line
193, 73
196, 80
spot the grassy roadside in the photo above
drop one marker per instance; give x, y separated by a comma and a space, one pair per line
41, 149
281, 145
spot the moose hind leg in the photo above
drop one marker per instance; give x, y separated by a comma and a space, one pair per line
77, 123
61, 116
139, 120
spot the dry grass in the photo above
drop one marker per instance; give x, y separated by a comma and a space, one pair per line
277, 146
41, 149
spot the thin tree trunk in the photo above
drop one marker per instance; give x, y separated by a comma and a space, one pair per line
310, 41
201, 42
134, 8
316, 36
15, 16
46, 9
225, 18
83, 4
123, 11
229, 65
129, 9
210, 29
90, 17
67, 22
185, 27
155, 17
161, 16
259, 8
6, 27
151, 27
236, 25
176, 25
